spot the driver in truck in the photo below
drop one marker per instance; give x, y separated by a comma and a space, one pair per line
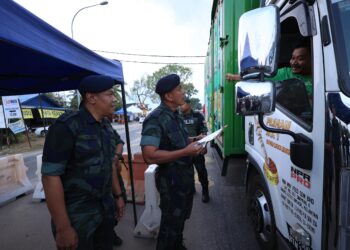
300, 68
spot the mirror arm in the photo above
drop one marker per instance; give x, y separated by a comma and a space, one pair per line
278, 131
261, 77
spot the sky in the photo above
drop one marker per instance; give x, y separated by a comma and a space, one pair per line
152, 27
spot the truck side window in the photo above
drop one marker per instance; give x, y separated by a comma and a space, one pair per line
292, 96
294, 87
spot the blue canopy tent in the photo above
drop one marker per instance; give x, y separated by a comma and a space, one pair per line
121, 112
39, 101
37, 58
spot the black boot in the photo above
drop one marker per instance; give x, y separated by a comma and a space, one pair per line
117, 241
180, 245
205, 194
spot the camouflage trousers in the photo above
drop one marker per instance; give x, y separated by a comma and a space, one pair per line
176, 206
199, 164
100, 239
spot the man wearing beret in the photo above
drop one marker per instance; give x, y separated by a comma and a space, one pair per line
78, 174
165, 142
195, 124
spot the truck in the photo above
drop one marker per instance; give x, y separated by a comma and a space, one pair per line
297, 143
222, 57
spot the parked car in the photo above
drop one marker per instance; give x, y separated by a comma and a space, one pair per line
141, 119
41, 131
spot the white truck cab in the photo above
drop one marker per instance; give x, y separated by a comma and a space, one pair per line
296, 124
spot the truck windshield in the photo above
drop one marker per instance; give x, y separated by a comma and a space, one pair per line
341, 36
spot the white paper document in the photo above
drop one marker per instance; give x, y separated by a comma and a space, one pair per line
210, 137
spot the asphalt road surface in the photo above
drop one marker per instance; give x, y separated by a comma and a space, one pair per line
221, 224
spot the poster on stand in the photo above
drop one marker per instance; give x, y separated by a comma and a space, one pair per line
2, 118
12, 108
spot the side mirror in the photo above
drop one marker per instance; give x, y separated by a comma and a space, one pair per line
258, 42
255, 98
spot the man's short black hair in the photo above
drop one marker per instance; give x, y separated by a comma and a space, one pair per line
304, 43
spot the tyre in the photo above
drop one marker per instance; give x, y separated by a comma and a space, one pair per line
260, 211
43, 133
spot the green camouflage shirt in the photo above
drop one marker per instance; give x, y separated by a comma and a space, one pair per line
80, 150
166, 130
195, 123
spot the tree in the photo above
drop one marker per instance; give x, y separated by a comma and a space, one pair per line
56, 97
141, 91
118, 96
196, 104
74, 101
117, 91
184, 73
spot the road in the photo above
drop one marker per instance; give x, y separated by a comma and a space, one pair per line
134, 133
222, 224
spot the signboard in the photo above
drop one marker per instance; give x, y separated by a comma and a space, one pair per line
11, 107
27, 114
2, 118
17, 127
50, 113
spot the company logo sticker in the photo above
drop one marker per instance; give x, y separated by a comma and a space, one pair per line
270, 171
300, 177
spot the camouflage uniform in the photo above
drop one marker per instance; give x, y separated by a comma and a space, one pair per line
195, 125
166, 130
118, 140
117, 241
81, 151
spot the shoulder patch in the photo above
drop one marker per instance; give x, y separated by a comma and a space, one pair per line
67, 115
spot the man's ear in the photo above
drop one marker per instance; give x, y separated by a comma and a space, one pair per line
168, 96
90, 98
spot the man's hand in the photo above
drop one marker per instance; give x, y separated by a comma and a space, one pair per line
198, 137
120, 204
66, 238
232, 77
204, 151
194, 149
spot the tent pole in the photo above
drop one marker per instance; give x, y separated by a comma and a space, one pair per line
25, 125
42, 112
129, 153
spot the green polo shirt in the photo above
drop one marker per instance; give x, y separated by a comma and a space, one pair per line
287, 73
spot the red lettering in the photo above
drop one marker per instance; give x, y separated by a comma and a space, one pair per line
307, 184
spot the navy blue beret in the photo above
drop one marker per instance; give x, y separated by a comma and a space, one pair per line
95, 84
167, 83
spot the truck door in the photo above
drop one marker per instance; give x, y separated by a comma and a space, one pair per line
296, 193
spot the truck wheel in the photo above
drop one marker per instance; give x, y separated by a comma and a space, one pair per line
261, 213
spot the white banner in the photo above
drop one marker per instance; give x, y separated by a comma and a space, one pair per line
11, 107
17, 127
2, 118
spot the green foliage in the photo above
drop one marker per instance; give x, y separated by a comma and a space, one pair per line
141, 91
196, 103
119, 103
118, 96
184, 73
55, 96
74, 102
